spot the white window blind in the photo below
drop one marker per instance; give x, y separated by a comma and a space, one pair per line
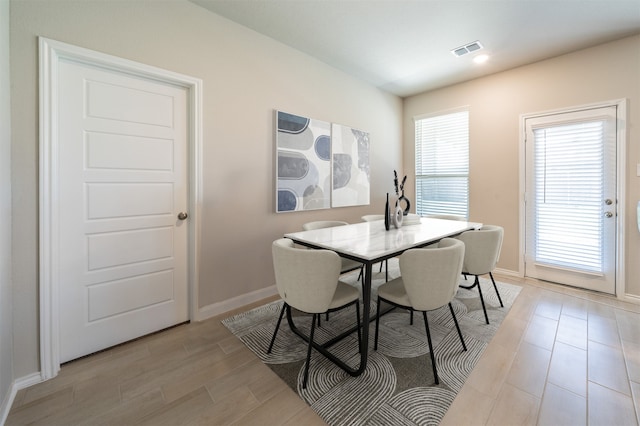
442, 164
568, 170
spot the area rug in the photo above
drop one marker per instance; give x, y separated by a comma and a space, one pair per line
397, 386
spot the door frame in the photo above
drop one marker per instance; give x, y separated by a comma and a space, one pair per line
51, 52
621, 168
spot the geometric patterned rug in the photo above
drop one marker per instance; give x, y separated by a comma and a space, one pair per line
397, 387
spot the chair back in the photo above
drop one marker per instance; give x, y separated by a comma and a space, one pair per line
445, 216
430, 275
482, 249
309, 226
372, 217
306, 279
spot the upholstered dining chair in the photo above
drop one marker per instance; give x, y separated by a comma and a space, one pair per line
428, 280
372, 217
348, 265
482, 251
308, 280
445, 216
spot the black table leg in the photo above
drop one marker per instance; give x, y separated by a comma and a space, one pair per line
364, 342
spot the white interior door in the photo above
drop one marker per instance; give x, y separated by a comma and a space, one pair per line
123, 180
571, 198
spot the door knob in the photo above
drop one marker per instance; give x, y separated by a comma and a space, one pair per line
608, 214
182, 215
608, 201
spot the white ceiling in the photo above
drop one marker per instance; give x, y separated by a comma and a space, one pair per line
403, 46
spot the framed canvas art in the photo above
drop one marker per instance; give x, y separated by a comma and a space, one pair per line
351, 173
303, 163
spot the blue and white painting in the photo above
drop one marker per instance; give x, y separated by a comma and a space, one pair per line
351, 173
303, 163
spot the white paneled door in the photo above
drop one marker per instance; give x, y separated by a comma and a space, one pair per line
123, 182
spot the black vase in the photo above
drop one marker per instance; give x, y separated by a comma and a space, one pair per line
387, 217
407, 202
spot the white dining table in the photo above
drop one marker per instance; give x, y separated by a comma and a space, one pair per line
370, 243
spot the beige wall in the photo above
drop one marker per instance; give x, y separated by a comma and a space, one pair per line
606, 72
245, 77
6, 302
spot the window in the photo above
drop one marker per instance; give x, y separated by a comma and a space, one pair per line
571, 196
569, 170
442, 164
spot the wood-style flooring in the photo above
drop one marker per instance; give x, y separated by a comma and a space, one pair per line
562, 356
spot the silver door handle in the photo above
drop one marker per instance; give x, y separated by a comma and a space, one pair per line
608, 214
608, 201
182, 215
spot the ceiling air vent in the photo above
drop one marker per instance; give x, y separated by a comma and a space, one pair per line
467, 48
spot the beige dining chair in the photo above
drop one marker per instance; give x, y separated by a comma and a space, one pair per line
372, 217
428, 280
308, 280
445, 216
482, 251
348, 265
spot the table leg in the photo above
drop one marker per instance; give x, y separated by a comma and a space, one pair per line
364, 342
366, 313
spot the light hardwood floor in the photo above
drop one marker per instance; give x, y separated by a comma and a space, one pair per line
562, 356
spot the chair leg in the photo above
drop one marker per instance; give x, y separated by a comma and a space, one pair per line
477, 283
273, 339
433, 357
386, 270
375, 341
306, 367
496, 287
411, 313
455, 320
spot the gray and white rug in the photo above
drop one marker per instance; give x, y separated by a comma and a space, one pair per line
398, 386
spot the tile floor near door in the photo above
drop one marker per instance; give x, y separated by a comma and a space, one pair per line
562, 356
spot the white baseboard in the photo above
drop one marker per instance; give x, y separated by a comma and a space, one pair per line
631, 298
214, 309
18, 384
508, 272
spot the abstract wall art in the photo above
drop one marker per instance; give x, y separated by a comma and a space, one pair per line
303, 163
351, 174
319, 165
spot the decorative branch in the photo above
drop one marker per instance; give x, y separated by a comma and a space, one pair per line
395, 182
399, 188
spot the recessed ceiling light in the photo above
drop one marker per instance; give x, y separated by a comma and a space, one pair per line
467, 48
481, 59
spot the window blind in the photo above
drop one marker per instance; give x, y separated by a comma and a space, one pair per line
442, 164
568, 170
